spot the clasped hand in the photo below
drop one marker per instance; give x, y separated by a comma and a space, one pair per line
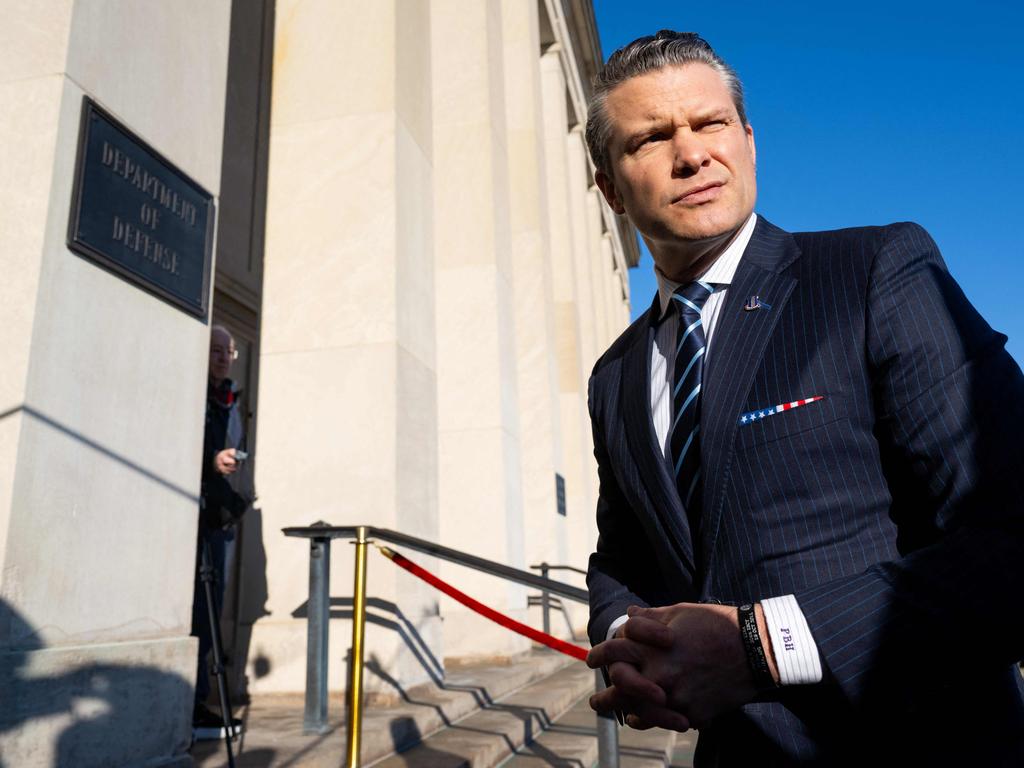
675, 667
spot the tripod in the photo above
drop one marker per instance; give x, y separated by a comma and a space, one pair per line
206, 576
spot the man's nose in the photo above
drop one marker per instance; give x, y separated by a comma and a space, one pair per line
689, 152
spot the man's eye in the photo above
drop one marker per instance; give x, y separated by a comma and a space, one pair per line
711, 124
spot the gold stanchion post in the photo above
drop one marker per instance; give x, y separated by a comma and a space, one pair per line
355, 687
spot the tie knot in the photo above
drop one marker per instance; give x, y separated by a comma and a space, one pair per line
690, 298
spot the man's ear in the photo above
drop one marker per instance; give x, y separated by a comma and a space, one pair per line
607, 187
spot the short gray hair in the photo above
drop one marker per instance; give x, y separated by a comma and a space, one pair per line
649, 54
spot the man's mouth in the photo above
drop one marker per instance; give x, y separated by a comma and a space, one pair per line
702, 194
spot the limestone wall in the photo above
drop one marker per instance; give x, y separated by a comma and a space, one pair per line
101, 396
440, 277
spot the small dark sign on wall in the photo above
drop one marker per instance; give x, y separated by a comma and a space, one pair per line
135, 213
560, 493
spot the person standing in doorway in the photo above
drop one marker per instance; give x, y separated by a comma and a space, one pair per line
221, 506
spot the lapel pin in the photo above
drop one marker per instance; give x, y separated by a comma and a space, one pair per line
754, 302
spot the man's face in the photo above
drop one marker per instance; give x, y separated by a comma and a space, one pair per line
682, 162
222, 354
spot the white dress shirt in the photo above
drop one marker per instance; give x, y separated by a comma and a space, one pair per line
795, 650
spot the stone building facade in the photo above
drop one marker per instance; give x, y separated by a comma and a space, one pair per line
419, 274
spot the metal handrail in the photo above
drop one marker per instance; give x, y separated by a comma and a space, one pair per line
320, 535
545, 595
550, 567
322, 530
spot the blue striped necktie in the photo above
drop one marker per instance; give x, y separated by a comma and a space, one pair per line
685, 434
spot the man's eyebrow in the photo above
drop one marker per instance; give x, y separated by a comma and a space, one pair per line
653, 122
650, 124
715, 113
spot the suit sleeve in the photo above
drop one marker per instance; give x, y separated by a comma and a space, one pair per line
949, 403
621, 570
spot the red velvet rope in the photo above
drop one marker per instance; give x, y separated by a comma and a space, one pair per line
536, 635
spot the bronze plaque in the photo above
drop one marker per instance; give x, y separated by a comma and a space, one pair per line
136, 214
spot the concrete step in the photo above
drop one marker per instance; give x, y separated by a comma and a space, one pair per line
273, 735
571, 742
486, 738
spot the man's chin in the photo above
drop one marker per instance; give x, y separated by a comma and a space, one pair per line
705, 234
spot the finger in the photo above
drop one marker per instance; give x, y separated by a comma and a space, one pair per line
663, 614
607, 701
614, 699
657, 717
648, 631
628, 682
611, 651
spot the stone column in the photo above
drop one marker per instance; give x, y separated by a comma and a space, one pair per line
480, 486
536, 342
101, 396
577, 445
590, 275
604, 269
348, 391
618, 289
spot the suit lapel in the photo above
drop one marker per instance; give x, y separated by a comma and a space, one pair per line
739, 342
639, 427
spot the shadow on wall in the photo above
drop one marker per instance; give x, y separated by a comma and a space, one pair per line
405, 733
384, 613
90, 715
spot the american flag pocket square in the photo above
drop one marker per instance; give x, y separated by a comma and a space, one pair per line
752, 416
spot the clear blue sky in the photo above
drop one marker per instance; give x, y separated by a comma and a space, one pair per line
876, 112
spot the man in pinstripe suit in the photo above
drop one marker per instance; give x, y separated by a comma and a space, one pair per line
815, 426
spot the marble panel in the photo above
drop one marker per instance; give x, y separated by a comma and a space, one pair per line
567, 331
468, 636
469, 359
603, 269
28, 138
586, 270
563, 269
161, 68
33, 39
10, 432
466, 210
416, 460
335, 58
462, 61
91, 478
414, 249
580, 476
95, 537
479, 501
327, 452
413, 79
329, 269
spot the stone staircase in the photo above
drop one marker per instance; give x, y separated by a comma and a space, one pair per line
530, 712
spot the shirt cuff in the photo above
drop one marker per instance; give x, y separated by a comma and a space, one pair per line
796, 653
615, 625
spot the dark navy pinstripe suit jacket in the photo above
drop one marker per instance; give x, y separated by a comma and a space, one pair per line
893, 509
